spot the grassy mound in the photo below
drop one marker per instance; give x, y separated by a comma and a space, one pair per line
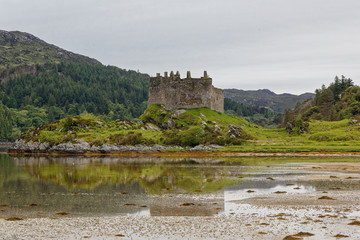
327, 136
158, 126
191, 127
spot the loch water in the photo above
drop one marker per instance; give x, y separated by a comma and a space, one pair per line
152, 186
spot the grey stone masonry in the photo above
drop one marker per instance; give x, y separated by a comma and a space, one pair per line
174, 92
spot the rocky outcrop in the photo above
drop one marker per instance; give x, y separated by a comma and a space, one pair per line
234, 131
81, 147
17, 71
203, 148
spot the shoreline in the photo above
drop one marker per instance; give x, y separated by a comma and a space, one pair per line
187, 154
83, 148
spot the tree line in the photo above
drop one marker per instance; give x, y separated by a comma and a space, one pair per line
262, 116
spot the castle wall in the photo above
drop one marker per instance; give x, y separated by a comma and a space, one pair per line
175, 93
217, 99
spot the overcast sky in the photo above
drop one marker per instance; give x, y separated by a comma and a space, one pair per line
291, 46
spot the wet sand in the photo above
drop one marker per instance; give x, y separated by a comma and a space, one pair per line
335, 167
258, 221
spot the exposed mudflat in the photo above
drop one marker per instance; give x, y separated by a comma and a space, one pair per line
274, 218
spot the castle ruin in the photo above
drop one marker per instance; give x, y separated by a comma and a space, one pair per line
174, 92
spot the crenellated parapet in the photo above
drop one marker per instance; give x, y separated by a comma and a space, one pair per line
175, 92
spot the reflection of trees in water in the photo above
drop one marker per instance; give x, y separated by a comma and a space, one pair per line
14, 179
19, 189
155, 178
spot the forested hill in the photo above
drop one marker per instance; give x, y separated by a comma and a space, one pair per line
266, 98
71, 89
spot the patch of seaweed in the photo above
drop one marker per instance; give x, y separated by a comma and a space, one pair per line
62, 213
326, 198
14, 219
187, 204
355, 223
340, 236
304, 234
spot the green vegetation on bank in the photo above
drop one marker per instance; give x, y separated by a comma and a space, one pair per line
320, 136
192, 127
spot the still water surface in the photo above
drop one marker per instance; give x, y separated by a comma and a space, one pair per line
107, 186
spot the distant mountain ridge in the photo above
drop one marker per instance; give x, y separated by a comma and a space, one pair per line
21, 48
266, 98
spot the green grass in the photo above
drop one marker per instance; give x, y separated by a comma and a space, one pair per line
219, 118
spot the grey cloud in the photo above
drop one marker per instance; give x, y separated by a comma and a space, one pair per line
286, 46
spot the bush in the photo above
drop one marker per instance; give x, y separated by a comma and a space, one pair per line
130, 139
68, 123
221, 140
189, 137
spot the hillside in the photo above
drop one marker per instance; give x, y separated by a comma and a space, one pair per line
20, 52
266, 98
20, 48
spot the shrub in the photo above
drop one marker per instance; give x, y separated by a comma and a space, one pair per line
130, 139
68, 123
221, 140
189, 137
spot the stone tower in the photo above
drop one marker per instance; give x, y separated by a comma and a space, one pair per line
174, 92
